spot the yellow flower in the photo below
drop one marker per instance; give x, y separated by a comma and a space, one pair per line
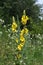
26, 30
19, 47
22, 32
24, 18
16, 40
21, 44
18, 56
22, 39
14, 26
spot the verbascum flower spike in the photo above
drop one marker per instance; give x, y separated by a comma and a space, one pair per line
24, 18
14, 25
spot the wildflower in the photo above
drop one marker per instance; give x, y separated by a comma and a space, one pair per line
16, 40
22, 32
22, 39
14, 25
24, 18
21, 44
19, 47
26, 30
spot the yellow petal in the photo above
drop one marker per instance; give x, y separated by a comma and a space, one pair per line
19, 47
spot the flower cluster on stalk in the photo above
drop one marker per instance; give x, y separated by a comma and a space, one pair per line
24, 31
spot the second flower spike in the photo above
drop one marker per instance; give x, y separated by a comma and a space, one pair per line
14, 25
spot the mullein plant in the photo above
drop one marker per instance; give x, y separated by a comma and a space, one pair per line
20, 46
14, 25
23, 32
